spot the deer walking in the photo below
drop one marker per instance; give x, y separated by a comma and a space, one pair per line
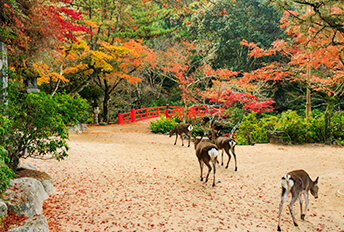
206, 152
180, 130
225, 144
298, 183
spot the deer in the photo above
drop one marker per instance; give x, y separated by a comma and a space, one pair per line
181, 129
297, 183
206, 152
225, 144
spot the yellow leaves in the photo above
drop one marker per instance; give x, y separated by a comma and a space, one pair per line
40, 68
88, 72
75, 69
99, 60
45, 75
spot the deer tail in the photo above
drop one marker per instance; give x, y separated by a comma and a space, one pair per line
213, 153
190, 128
232, 143
287, 183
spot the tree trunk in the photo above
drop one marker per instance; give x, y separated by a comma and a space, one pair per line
328, 114
106, 102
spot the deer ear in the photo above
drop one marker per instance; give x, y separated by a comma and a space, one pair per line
316, 180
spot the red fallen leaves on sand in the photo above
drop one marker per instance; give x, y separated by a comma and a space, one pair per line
12, 219
51, 209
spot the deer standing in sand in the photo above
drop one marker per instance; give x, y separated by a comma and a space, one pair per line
182, 129
225, 144
298, 183
206, 153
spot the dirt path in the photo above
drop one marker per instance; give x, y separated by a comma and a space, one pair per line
124, 178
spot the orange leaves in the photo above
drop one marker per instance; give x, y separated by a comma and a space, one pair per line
112, 61
76, 68
223, 74
91, 23
45, 75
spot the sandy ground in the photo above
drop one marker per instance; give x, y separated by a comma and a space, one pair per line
125, 178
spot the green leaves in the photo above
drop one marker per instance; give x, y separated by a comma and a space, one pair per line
251, 20
37, 125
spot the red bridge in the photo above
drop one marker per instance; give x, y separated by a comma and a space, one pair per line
168, 112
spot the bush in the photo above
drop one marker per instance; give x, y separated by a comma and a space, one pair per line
338, 127
163, 125
298, 130
254, 130
72, 109
36, 125
5, 172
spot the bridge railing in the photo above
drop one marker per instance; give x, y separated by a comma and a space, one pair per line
168, 112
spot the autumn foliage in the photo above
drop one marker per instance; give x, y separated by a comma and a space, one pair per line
29, 27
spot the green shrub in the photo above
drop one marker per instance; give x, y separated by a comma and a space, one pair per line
254, 130
163, 125
72, 109
5, 172
337, 124
299, 130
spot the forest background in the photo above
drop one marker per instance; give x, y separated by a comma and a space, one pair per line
257, 59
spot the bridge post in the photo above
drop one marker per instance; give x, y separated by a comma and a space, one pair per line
167, 111
157, 111
120, 117
133, 116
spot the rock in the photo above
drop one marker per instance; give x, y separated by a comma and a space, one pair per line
25, 196
37, 223
29, 166
48, 186
3, 209
43, 177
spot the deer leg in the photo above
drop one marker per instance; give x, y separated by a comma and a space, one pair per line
306, 205
236, 167
181, 135
201, 164
214, 163
175, 142
300, 200
222, 158
229, 158
291, 205
209, 170
283, 198
189, 139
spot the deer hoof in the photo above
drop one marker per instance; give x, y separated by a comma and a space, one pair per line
279, 228
226, 167
213, 185
295, 224
236, 169
303, 217
201, 178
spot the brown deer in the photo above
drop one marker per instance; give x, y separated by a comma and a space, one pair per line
297, 182
182, 129
206, 152
227, 144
